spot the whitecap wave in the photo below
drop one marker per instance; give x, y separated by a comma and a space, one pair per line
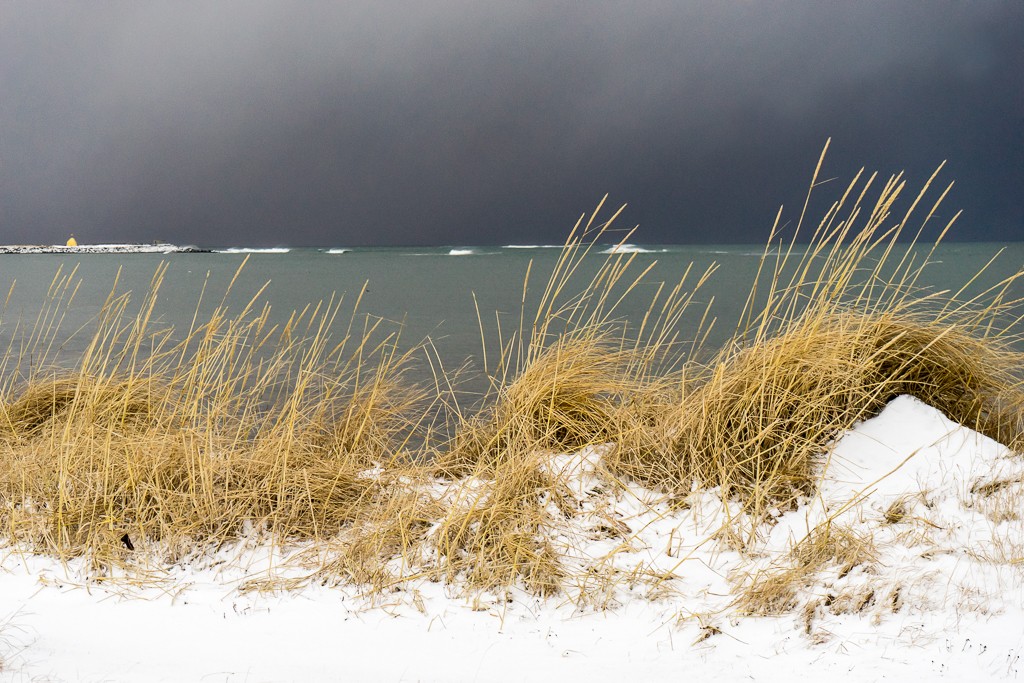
730, 252
632, 249
338, 251
532, 246
461, 252
254, 250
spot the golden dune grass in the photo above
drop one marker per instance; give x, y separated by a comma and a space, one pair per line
237, 429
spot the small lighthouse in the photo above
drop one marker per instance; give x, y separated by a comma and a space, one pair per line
72, 242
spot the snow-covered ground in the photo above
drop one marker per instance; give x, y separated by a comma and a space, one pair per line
932, 508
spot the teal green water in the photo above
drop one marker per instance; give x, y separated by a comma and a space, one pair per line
428, 292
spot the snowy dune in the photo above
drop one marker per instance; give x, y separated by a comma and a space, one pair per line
939, 597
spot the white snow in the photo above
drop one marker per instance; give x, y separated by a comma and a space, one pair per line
943, 597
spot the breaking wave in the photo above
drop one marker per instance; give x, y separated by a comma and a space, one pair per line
254, 250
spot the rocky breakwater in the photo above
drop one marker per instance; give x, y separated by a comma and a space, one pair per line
158, 248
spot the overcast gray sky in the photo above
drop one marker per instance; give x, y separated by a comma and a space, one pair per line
461, 122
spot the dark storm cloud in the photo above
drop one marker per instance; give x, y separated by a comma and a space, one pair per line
461, 122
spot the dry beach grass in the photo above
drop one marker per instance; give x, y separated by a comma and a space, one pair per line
158, 447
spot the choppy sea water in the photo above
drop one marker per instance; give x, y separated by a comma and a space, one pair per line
433, 293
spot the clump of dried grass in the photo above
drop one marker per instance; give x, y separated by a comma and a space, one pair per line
776, 589
238, 426
562, 401
831, 333
494, 532
103, 400
759, 424
497, 528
